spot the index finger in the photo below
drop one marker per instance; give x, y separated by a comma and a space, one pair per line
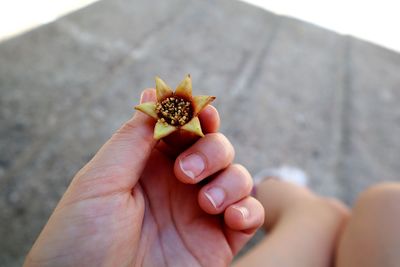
209, 119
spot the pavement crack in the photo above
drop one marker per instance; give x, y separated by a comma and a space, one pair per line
345, 116
250, 71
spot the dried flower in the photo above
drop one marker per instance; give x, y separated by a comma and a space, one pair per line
176, 110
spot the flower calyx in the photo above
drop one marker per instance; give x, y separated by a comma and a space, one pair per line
177, 110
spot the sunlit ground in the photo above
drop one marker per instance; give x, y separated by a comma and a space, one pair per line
18, 16
372, 20
377, 21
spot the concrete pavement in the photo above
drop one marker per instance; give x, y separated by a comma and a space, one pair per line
288, 92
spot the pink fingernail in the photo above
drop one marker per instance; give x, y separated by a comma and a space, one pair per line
244, 212
216, 196
192, 165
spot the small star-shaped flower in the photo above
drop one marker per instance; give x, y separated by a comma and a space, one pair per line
177, 110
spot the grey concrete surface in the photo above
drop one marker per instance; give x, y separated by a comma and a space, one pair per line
288, 93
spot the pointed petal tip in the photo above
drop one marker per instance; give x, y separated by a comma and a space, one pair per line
163, 129
194, 127
200, 102
200, 133
162, 89
185, 87
148, 108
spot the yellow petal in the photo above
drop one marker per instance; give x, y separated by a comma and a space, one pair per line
149, 108
163, 129
162, 89
184, 89
193, 126
200, 102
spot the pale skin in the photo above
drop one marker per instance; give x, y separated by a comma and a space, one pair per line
139, 203
306, 230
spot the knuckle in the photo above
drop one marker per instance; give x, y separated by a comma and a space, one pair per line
130, 127
223, 141
217, 147
240, 169
244, 177
336, 207
380, 194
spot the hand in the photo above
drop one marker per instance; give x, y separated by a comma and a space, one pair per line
138, 204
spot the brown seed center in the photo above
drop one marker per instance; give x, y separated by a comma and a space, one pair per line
175, 111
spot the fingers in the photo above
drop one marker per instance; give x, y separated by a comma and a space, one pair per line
228, 192
245, 215
209, 119
127, 151
242, 219
207, 156
230, 186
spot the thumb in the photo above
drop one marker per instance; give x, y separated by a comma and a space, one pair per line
125, 154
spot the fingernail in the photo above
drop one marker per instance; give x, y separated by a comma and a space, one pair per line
244, 212
145, 97
216, 196
192, 165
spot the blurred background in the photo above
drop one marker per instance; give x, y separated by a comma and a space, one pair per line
372, 20
312, 84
